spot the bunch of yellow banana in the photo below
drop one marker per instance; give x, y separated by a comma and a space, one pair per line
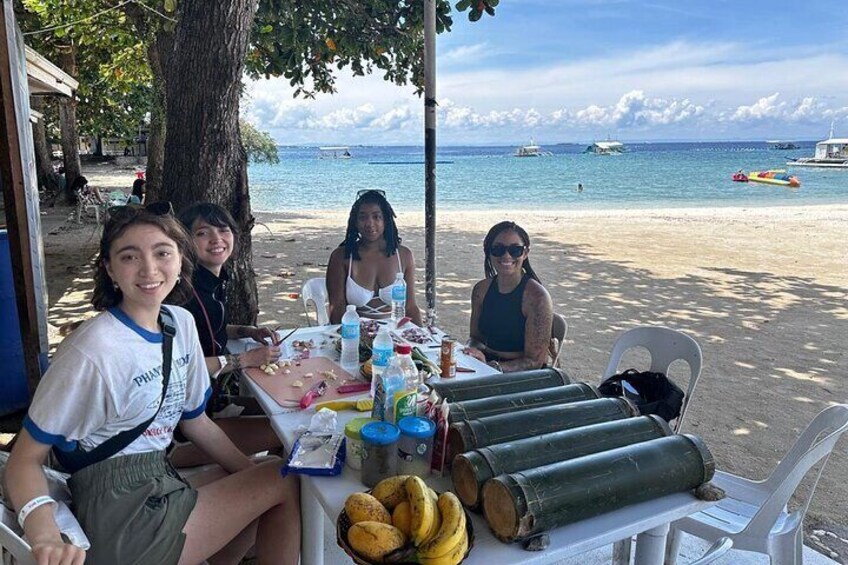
434, 524
437, 524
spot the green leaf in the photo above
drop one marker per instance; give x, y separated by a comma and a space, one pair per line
474, 15
493, 3
463, 5
170, 6
266, 29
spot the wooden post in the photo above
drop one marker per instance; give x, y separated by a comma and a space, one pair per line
430, 158
20, 197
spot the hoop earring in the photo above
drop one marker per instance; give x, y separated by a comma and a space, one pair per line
179, 279
115, 286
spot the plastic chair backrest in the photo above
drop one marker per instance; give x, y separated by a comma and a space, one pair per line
559, 329
665, 346
315, 291
813, 445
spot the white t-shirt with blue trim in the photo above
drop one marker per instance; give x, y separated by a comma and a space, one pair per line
106, 378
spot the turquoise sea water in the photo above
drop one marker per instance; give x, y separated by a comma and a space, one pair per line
648, 175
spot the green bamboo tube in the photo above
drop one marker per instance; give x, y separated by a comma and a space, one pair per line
460, 389
517, 401
472, 469
474, 434
522, 504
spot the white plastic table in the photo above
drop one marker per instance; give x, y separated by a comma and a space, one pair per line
326, 495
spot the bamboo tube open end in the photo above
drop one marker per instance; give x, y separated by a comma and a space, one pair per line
456, 442
465, 481
500, 511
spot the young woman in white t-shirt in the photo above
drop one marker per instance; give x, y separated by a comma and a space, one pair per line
107, 378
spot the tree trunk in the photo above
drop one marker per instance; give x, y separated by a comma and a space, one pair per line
98, 145
205, 157
43, 153
68, 125
160, 44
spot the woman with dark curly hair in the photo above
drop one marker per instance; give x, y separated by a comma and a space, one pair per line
362, 270
511, 312
108, 406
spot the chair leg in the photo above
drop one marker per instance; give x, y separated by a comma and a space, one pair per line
621, 552
672, 547
788, 550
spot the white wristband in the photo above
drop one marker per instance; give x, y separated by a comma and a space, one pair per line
32, 505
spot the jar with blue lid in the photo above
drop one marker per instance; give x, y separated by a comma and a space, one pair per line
379, 458
415, 447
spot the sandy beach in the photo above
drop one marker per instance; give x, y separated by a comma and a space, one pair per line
762, 290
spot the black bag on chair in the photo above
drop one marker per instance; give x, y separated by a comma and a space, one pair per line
653, 393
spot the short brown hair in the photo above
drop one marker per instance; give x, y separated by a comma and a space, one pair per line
105, 293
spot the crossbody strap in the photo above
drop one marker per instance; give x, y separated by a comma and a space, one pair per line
75, 460
208, 324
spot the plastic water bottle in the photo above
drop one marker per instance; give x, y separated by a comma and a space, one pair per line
405, 393
350, 339
398, 299
381, 353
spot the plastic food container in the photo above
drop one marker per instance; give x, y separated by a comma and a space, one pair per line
415, 447
379, 456
353, 442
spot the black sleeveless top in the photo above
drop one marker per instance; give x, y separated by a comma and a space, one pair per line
501, 321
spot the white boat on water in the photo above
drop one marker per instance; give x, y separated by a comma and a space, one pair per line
608, 147
532, 150
832, 153
780, 145
336, 152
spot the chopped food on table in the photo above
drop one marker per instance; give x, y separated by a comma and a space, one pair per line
297, 384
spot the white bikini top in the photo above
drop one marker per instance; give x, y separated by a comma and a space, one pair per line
360, 297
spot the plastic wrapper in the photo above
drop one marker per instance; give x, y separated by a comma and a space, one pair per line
320, 450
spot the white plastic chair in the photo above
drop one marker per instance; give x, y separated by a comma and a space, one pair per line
14, 550
755, 513
665, 346
559, 329
716, 550
315, 291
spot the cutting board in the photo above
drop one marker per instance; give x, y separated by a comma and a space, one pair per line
280, 385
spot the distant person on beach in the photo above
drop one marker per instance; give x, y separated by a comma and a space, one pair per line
213, 232
511, 312
579, 187
362, 270
132, 374
138, 192
83, 190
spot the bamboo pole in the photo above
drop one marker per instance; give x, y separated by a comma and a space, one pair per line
523, 504
471, 470
525, 400
458, 390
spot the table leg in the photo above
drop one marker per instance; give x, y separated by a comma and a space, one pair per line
650, 546
312, 524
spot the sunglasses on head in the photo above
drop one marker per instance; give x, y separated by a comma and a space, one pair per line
130, 211
362, 193
515, 250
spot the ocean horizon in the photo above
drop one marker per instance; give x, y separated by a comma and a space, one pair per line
489, 177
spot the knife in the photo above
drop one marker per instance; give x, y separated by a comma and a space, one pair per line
313, 393
356, 387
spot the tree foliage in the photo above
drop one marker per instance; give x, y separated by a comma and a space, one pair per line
259, 145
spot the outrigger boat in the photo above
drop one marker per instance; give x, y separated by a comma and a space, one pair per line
774, 176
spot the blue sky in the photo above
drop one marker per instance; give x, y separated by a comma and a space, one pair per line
578, 70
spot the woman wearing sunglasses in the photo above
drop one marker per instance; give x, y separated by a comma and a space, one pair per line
511, 312
362, 270
135, 371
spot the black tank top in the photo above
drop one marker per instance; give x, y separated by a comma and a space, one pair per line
501, 321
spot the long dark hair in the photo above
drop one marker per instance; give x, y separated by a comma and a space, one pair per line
496, 230
105, 293
390, 233
138, 188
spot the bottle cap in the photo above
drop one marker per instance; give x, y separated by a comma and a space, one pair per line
379, 433
417, 427
403, 349
354, 427
351, 308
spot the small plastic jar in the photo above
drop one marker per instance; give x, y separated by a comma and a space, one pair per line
415, 447
379, 458
353, 442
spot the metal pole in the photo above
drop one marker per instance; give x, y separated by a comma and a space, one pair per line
430, 157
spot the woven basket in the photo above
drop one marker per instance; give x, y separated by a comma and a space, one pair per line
343, 525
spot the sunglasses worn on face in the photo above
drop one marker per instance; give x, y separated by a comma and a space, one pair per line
362, 193
130, 211
514, 250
